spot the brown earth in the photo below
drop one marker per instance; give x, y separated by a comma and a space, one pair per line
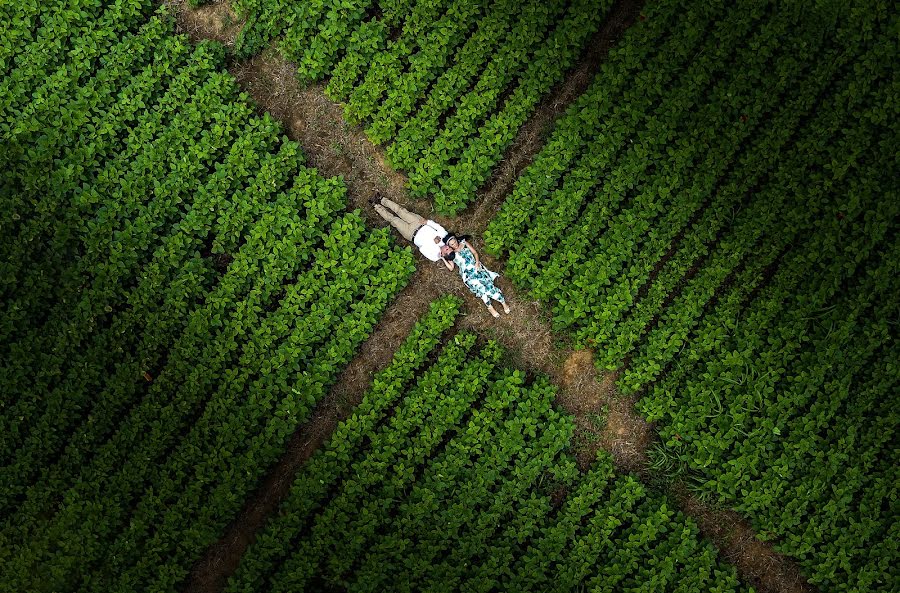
214, 21
756, 562
604, 418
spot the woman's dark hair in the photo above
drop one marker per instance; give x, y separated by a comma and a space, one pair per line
452, 235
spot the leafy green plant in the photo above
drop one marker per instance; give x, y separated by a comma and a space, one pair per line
666, 223
445, 84
380, 506
175, 305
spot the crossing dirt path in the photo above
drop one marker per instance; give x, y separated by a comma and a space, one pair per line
604, 418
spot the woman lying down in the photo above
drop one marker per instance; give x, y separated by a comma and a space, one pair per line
457, 252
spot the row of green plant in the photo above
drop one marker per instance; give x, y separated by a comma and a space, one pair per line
443, 479
723, 233
116, 244
179, 293
663, 342
479, 121
546, 67
404, 130
604, 172
103, 276
40, 91
732, 475
415, 70
645, 544
446, 85
577, 133
429, 34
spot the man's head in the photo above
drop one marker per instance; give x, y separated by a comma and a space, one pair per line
447, 253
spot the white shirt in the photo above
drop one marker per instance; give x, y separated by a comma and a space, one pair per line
424, 239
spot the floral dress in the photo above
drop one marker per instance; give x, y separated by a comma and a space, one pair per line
480, 282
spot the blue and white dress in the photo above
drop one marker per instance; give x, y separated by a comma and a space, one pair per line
480, 282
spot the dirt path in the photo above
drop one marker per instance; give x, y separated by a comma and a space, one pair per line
604, 418
221, 560
531, 137
755, 560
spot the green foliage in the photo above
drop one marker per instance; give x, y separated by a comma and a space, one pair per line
452, 492
179, 293
445, 85
715, 219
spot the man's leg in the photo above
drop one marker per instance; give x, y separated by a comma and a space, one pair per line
405, 229
403, 213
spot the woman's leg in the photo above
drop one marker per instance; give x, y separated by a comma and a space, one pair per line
500, 299
405, 229
410, 217
490, 307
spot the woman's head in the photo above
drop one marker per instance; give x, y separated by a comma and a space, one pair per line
452, 241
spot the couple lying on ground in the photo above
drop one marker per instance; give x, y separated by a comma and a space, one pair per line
437, 244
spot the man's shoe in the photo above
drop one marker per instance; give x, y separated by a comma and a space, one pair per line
375, 199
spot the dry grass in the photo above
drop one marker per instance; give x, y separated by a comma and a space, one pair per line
214, 21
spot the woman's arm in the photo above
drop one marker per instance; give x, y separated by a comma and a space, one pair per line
475, 253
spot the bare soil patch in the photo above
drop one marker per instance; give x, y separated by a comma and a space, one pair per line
214, 21
756, 561
605, 418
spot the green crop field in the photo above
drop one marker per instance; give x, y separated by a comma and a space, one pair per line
726, 237
469, 458
173, 304
716, 219
448, 94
